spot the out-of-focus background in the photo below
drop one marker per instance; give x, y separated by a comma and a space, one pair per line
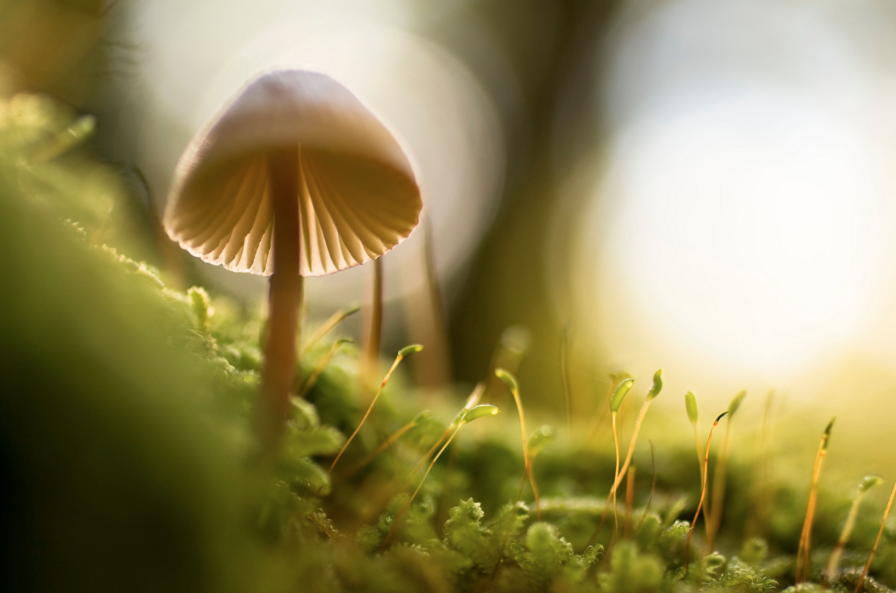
707, 187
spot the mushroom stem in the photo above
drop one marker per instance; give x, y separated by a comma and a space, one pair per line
285, 298
375, 330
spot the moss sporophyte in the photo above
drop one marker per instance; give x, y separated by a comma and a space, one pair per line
867, 483
803, 557
402, 354
626, 385
687, 552
721, 476
513, 386
860, 583
465, 417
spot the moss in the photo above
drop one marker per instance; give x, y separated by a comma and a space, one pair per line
126, 448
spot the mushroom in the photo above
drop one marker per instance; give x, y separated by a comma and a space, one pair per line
294, 178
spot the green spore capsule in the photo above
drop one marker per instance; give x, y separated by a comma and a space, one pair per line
508, 379
657, 384
408, 350
869, 482
736, 402
827, 434
477, 412
619, 394
690, 403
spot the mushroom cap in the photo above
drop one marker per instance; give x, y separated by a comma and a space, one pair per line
358, 197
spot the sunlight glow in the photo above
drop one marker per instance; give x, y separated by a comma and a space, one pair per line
739, 216
747, 225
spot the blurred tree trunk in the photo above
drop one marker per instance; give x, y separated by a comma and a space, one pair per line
554, 47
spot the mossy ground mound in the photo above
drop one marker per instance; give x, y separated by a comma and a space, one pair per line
126, 447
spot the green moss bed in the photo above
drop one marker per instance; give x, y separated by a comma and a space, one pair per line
126, 439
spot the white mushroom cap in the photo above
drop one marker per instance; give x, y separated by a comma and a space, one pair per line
358, 195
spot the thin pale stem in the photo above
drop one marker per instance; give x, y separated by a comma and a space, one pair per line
471, 401
652, 488
361, 463
432, 450
883, 523
328, 326
407, 505
398, 359
526, 460
699, 448
719, 484
837, 553
319, 369
285, 298
629, 498
687, 546
621, 474
535, 493
442, 505
804, 552
631, 445
615, 476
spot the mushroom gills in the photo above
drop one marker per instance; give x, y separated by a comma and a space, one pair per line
352, 210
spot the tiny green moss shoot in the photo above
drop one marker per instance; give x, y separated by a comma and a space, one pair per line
803, 558
393, 438
720, 479
601, 410
629, 498
512, 385
324, 361
655, 389
880, 532
402, 354
652, 487
687, 548
328, 326
467, 416
867, 483
472, 401
690, 403
615, 404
